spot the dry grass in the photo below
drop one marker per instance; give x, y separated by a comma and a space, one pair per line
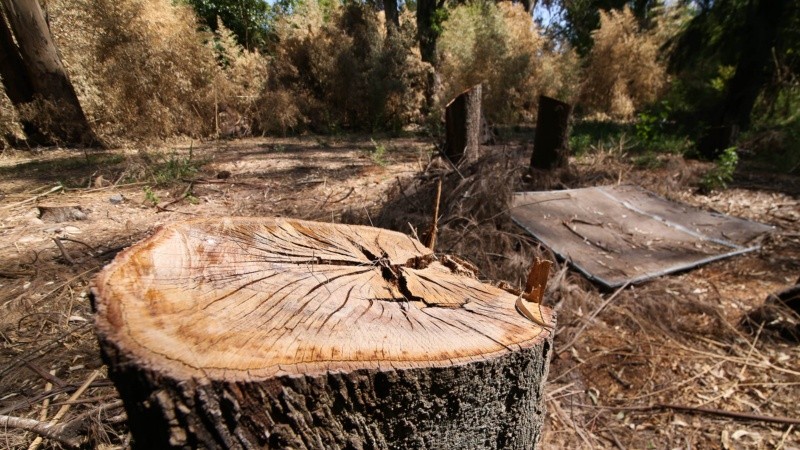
620, 356
345, 71
140, 67
143, 70
9, 122
624, 71
673, 340
498, 45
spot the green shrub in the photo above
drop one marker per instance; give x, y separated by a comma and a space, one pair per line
722, 172
378, 153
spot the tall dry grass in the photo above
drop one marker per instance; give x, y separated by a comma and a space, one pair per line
140, 67
240, 80
344, 71
623, 70
9, 122
498, 45
144, 69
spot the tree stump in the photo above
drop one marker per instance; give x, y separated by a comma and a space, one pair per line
551, 142
463, 122
257, 332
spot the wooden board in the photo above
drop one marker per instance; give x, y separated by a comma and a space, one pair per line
625, 234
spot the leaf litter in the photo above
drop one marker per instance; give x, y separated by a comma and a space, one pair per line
675, 340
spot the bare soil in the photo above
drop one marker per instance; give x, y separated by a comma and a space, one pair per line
618, 374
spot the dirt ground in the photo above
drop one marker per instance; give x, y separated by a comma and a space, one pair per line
650, 366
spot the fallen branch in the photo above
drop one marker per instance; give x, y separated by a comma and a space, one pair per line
345, 195
42, 414
35, 197
63, 251
92, 249
205, 181
702, 410
67, 433
185, 194
58, 433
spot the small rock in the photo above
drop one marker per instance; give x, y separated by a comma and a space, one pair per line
61, 213
116, 199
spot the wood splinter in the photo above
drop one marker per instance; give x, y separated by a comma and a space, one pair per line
435, 224
529, 302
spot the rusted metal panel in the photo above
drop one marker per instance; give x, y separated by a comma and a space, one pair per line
625, 234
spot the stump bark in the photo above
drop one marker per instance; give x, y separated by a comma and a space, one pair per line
278, 333
551, 143
463, 128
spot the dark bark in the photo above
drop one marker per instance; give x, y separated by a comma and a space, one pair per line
551, 142
392, 15
358, 338
752, 73
463, 120
426, 15
17, 86
39, 74
495, 403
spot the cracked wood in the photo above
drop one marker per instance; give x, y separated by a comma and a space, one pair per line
247, 299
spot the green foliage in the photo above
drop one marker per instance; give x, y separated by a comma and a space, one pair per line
248, 19
656, 132
650, 139
438, 19
174, 167
725, 73
582, 17
722, 172
150, 196
730, 53
588, 134
378, 153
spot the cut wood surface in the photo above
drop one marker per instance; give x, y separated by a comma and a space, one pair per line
228, 309
257, 298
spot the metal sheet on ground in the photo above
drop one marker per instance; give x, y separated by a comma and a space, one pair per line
626, 234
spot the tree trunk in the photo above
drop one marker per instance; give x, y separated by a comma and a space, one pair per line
752, 72
35, 60
551, 142
463, 126
426, 15
17, 85
392, 15
251, 333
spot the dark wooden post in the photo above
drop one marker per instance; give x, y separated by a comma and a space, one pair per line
463, 126
551, 143
278, 333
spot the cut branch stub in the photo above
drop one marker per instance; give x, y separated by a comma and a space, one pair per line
230, 308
